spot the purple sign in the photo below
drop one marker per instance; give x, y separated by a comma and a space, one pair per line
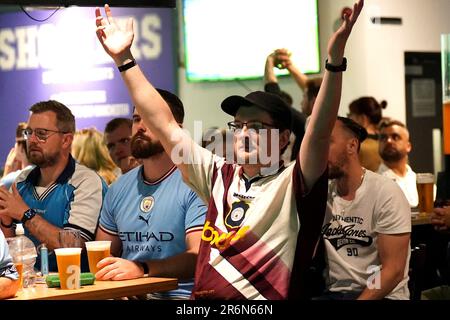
61, 59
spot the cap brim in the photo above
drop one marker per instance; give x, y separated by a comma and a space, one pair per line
232, 104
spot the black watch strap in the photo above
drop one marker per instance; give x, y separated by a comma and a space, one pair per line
333, 68
144, 266
28, 215
127, 66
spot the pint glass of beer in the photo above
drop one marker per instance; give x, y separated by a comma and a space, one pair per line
425, 183
96, 251
68, 261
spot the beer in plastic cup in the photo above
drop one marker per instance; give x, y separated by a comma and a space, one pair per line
19, 267
425, 184
68, 261
96, 251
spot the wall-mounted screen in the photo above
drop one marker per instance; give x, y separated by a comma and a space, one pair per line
230, 39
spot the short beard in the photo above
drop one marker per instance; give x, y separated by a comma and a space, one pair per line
143, 147
335, 172
43, 161
391, 155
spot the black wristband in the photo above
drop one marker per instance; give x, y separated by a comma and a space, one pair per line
127, 66
8, 226
333, 68
28, 215
144, 266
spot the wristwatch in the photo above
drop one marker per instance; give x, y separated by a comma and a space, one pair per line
333, 68
143, 265
28, 215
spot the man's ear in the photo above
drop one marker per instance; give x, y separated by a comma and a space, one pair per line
352, 146
67, 140
409, 147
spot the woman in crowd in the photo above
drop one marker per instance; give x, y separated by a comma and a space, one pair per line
89, 149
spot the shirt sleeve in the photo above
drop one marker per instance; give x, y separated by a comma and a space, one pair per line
107, 220
195, 212
7, 267
87, 203
393, 215
201, 165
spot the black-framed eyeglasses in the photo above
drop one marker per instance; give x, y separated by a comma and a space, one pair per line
123, 141
251, 125
40, 133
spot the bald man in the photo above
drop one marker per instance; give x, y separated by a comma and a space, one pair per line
394, 147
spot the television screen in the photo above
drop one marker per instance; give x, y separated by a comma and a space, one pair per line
94, 3
230, 39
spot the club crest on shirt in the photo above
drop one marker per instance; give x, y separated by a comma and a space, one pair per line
236, 215
147, 204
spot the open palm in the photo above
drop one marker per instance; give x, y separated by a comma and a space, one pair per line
114, 40
336, 45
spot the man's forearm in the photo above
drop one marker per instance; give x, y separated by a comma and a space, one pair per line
181, 266
8, 287
44, 231
389, 279
299, 77
269, 74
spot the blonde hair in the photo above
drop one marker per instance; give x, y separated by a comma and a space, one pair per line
89, 149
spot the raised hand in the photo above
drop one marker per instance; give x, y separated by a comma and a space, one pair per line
337, 42
115, 41
283, 56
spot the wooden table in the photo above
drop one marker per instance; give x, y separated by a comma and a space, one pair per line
99, 290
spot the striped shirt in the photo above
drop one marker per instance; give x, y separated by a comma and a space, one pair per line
73, 201
259, 233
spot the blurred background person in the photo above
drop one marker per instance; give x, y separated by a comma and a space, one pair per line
89, 149
17, 159
281, 58
394, 147
118, 141
367, 112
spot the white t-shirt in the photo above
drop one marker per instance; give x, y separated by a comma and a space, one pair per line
351, 229
406, 183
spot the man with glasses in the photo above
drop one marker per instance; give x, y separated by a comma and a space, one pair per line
117, 139
264, 218
58, 193
394, 147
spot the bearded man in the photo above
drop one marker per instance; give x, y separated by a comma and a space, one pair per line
57, 193
152, 218
394, 147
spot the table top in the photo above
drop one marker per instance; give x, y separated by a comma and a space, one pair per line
99, 290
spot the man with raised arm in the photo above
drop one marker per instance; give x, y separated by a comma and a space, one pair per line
264, 218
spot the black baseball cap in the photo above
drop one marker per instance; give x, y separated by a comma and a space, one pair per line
359, 132
279, 110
